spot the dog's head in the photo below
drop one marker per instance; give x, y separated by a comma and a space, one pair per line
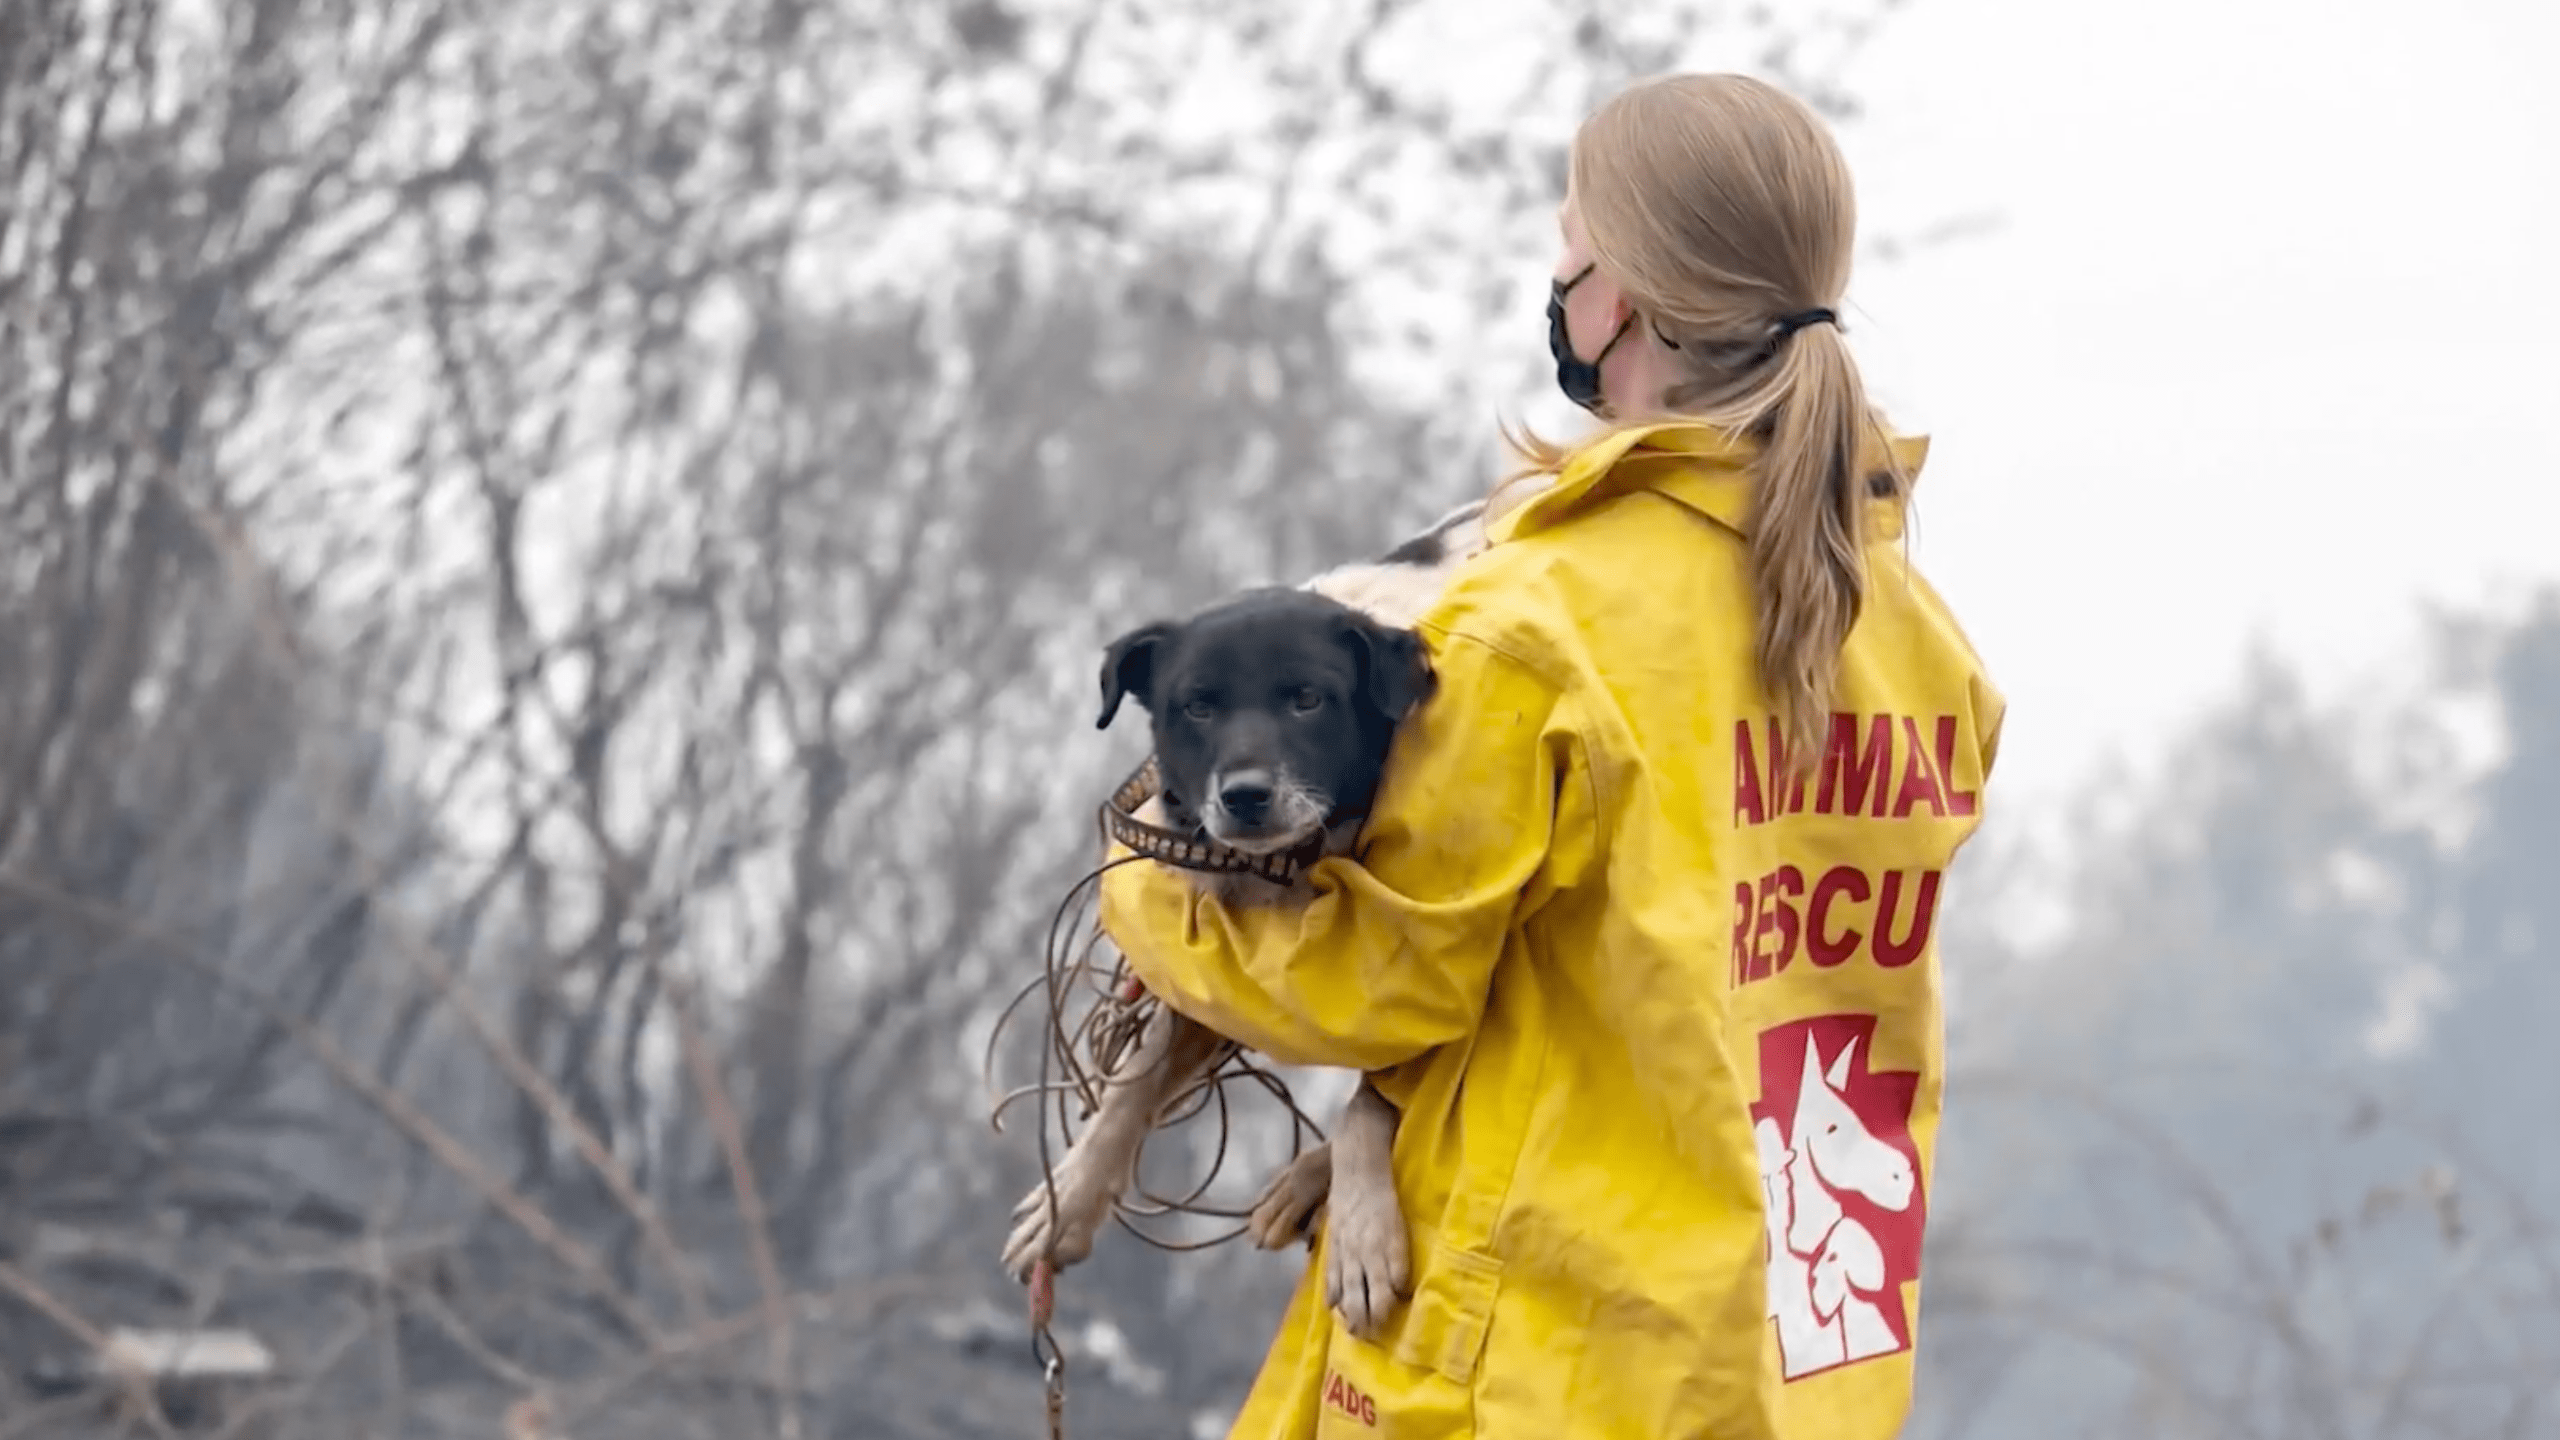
1272, 712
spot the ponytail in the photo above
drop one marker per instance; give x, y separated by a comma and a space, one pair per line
1720, 209
1808, 531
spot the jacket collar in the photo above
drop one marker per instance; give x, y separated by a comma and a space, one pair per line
1697, 466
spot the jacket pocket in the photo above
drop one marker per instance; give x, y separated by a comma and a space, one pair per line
1452, 1305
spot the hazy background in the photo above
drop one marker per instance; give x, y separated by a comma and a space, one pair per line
551, 562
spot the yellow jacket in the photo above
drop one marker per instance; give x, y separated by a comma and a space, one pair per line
1667, 1042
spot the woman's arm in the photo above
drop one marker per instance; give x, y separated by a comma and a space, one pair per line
1394, 954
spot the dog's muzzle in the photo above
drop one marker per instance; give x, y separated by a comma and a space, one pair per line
1261, 812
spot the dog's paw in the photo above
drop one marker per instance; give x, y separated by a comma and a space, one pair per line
1285, 1214
1062, 1233
1368, 1261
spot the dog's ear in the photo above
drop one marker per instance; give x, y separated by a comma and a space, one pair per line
1129, 668
1395, 669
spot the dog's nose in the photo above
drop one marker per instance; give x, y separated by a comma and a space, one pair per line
1246, 795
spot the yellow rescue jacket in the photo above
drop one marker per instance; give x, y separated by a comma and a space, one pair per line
1665, 1032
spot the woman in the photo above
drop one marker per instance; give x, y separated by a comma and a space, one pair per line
1641, 942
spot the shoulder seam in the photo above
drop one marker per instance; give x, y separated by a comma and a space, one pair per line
1490, 646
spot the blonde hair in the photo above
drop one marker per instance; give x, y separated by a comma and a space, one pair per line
1721, 206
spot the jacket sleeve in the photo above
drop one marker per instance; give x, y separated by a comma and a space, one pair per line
1394, 954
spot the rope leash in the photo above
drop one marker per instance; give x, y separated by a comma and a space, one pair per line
1053, 1363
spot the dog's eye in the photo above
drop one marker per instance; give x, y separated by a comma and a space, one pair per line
1199, 709
1307, 701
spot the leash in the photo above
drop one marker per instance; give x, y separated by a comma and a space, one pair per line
1053, 1363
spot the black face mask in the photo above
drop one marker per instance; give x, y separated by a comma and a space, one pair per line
1578, 378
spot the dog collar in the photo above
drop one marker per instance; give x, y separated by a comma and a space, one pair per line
1195, 852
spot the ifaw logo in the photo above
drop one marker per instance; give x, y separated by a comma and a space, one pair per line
1843, 1186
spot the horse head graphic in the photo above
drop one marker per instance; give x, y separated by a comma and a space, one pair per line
1846, 1155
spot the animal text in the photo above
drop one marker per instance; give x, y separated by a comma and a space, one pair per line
1877, 766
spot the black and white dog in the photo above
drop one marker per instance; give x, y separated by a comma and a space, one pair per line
1272, 713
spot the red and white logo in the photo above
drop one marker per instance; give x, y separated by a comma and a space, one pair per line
1842, 1178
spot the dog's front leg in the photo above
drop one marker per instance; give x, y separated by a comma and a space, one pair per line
1351, 1178
1368, 1264
1058, 1220
1103, 1163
